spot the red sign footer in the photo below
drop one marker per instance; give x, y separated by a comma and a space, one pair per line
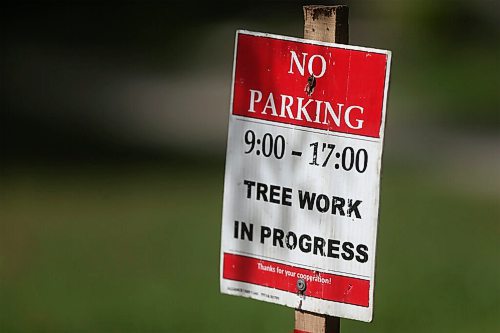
330, 287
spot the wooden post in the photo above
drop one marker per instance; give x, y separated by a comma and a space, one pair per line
326, 24
309, 322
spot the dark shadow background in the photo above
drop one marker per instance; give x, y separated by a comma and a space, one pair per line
113, 122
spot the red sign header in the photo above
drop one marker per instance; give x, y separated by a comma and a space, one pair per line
323, 87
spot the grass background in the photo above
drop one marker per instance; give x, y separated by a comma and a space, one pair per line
114, 249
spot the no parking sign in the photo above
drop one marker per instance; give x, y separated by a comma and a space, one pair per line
302, 181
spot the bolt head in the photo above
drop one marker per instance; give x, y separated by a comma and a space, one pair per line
301, 285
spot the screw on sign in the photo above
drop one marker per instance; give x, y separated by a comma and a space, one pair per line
302, 179
311, 84
301, 286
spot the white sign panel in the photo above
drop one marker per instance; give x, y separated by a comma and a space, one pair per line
301, 191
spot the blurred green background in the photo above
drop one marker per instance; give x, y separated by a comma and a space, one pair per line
113, 127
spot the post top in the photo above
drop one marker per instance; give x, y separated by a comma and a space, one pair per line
327, 23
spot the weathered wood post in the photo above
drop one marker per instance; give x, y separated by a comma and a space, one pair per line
325, 24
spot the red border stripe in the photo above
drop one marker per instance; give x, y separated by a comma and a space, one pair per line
330, 287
